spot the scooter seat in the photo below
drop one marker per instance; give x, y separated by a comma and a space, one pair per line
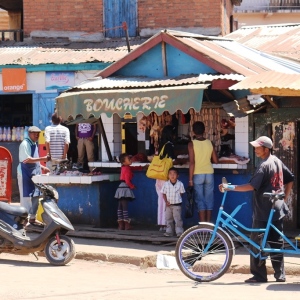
13, 210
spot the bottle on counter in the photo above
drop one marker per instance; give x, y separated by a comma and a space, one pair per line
8, 136
18, 138
26, 132
21, 133
13, 134
4, 134
0, 134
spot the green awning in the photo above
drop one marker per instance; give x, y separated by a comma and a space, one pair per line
131, 101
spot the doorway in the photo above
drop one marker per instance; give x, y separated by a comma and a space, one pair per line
130, 139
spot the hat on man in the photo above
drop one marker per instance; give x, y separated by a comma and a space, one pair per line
263, 141
34, 129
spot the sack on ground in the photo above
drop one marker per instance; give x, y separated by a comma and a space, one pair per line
189, 205
159, 167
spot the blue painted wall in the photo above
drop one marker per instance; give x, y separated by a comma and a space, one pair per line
80, 202
94, 204
150, 64
42, 109
144, 209
179, 63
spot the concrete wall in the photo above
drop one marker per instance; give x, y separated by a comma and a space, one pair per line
264, 18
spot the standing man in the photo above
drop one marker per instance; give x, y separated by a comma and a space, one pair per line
271, 176
29, 166
85, 133
57, 139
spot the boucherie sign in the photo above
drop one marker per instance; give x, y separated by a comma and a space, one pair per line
14, 80
130, 101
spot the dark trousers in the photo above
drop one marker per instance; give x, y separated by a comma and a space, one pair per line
257, 266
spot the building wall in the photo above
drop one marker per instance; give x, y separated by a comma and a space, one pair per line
67, 15
263, 18
4, 19
204, 17
208, 17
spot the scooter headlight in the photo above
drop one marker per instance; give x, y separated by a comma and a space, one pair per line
55, 194
52, 192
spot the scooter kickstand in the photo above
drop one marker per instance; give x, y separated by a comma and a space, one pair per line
35, 256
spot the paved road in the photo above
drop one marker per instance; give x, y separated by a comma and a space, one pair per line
22, 277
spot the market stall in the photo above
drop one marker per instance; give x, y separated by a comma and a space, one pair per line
134, 98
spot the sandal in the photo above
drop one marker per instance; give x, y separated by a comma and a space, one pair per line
254, 280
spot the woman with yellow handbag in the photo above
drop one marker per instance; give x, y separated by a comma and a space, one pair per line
167, 145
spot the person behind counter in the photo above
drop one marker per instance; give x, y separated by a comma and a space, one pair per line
201, 172
124, 193
57, 140
28, 167
85, 133
167, 140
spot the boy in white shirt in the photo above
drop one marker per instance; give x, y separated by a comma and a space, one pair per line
172, 191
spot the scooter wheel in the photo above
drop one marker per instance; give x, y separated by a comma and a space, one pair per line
60, 255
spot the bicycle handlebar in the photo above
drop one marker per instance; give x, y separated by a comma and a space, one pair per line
275, 196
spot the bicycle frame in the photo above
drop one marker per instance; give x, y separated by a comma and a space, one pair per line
230, 224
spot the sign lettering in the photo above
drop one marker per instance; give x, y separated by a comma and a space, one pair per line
126, 104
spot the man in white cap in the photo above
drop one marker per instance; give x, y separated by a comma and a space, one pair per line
270, 176
29, 166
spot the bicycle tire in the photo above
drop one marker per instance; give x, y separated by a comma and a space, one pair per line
189, 253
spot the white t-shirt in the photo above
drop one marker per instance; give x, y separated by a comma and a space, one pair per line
57, 136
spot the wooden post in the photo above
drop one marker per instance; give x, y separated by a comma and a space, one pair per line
103, 133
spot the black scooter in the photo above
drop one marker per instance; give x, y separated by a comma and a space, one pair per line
59, 249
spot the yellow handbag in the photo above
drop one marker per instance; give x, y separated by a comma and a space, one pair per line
159, 168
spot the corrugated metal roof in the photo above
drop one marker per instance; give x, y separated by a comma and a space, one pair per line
71, 53
120, 82
270, 80
239, 58
221, 54
279, 39
211, 77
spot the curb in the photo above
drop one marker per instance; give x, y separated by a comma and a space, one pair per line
150, 261
143, 262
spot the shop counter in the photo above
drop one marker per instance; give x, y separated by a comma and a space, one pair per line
91, 201
230, 166
60, 179
85, 199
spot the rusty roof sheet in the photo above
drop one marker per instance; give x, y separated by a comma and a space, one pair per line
120, 82
240, 59
270, 80
280, 39
17, 53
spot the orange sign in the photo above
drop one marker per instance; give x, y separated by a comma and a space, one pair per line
14, 80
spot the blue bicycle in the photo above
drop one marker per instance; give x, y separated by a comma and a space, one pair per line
204, 252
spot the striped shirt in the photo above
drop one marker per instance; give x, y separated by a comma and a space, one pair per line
173, 192
57, 136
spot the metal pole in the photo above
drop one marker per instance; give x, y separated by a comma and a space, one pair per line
124, 25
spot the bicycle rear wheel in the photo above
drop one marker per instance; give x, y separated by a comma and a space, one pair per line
200, 266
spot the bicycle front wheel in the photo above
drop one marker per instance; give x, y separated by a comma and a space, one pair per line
199, 265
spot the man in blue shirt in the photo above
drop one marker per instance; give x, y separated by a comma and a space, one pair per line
28, 167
